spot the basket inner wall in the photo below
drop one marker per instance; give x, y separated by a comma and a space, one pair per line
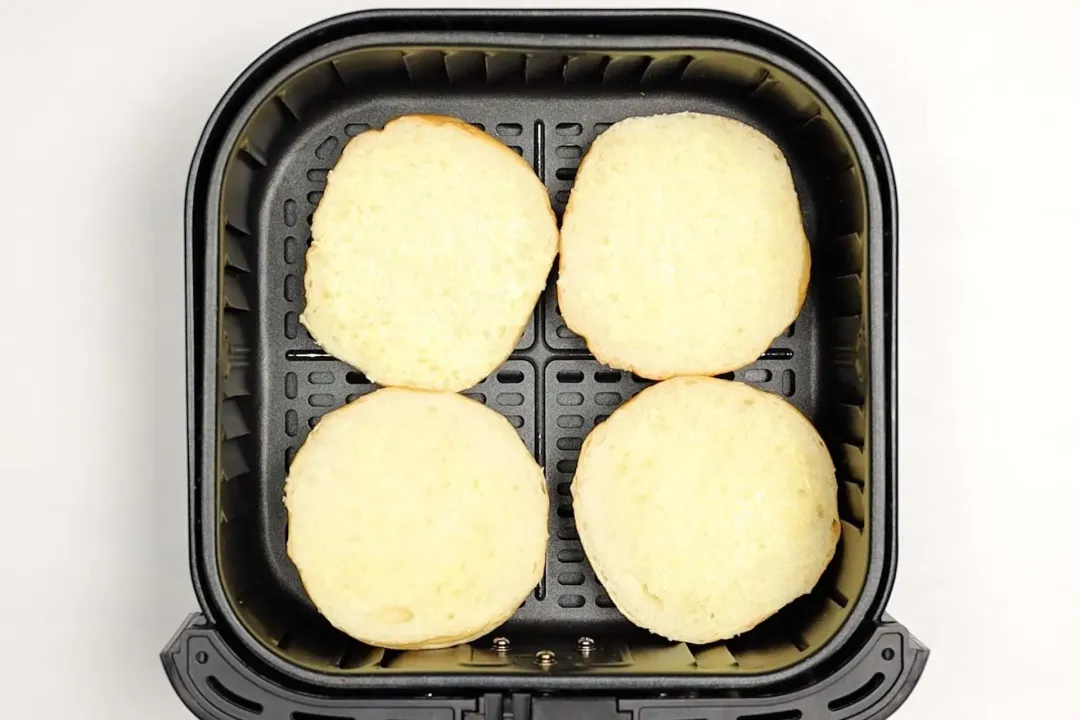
549, 107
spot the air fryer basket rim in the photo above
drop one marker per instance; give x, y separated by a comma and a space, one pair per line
303, 48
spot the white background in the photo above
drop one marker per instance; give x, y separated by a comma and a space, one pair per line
100, 107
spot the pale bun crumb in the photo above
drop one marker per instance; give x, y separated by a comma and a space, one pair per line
704, 506
416, 519
431, 245
682, 246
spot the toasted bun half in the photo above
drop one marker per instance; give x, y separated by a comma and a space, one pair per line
705, 506
416, 519
682, 248
430, 247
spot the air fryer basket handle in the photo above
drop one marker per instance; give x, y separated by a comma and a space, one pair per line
217, 684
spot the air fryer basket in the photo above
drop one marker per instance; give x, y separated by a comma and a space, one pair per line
546, 84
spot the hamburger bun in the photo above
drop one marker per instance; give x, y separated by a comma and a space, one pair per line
705, 506
430, 247
682, 248
416, 519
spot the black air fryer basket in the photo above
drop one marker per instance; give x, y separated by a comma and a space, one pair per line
546, 84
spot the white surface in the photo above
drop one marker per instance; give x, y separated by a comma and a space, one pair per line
978, 104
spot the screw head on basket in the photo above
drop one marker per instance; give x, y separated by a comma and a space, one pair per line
586, 644
500, 644
545, 658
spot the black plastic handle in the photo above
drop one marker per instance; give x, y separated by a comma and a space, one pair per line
216, 684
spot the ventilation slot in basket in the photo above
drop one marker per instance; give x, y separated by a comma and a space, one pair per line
232, 698
857, 696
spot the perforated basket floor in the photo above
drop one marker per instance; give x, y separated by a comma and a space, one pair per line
551, 389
